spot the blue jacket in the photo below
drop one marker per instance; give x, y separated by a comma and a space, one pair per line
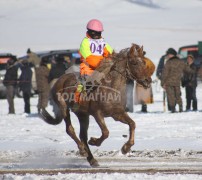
25, 80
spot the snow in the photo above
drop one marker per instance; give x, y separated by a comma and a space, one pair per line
104, 176
162, 139
51, 24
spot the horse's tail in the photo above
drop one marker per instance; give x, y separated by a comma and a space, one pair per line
49, 119
59, 106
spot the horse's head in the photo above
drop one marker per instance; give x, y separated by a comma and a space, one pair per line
139, 68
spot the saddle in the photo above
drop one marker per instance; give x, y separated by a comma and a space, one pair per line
87, 84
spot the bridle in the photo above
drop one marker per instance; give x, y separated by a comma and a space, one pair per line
127, 74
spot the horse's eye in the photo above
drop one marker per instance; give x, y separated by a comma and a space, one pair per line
133, 62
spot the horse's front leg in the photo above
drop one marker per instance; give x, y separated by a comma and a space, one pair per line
70, 131
105, 132
84, 124
124, 118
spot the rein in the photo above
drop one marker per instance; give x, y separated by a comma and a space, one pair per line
121, 73
127, 73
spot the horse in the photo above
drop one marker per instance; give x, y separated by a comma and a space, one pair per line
106, 100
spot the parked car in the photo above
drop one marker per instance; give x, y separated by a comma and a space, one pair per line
52, 55
196, 51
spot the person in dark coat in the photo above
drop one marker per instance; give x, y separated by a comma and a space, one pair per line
189, 81
159, 72
42, 74
57, 70
10, 81
25, 84
171, 78
160, 66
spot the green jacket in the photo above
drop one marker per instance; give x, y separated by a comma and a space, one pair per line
173, 72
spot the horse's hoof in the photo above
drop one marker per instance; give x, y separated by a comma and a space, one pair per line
94, 163
125, 149
93, 141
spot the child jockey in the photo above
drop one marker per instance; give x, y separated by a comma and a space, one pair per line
93, 50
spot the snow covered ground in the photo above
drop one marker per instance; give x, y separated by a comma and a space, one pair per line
161, 138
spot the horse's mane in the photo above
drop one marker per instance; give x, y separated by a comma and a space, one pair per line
112, 59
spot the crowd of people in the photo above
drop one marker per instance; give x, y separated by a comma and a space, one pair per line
171, 71
174, 73
44, 76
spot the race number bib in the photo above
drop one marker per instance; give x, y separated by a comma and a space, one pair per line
97, 46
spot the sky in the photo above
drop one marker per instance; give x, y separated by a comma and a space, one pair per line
61, 24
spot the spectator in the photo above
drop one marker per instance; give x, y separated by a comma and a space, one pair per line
69, 61
159, 71
35, 60
25, 85
10, 81
160, 66
143, 96
139, 97
42, 73
189, 81
171, 78
57, 70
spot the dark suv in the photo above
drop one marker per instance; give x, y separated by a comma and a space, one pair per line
194, 50
72, 55
4, 57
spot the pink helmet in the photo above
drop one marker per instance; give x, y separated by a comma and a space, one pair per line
95, 25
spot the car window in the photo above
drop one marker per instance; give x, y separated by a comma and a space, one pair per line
183, 54
184, 51
76, 55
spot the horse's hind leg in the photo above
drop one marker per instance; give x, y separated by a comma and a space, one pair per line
124, 118
105, 132
70, 131
84, 124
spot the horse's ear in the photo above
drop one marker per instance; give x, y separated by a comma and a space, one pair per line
141, 52
141, 49
132, 50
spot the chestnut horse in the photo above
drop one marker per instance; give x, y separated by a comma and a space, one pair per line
108, 99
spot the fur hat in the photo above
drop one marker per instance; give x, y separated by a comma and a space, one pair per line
150, 67
171, 51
